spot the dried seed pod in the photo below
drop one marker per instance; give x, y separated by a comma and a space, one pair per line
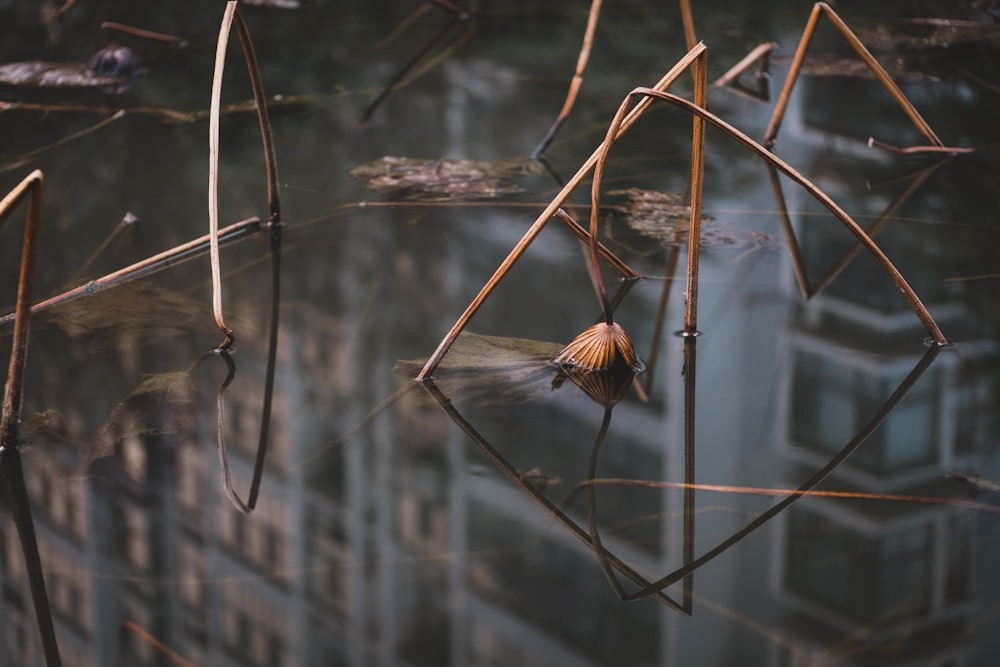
601, 347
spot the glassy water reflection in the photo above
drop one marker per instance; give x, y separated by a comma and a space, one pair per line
486, 517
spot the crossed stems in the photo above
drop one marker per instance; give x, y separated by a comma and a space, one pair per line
622, 122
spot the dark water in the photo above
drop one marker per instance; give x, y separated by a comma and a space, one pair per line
450, 523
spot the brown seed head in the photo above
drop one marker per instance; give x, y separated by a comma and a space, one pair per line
601, 347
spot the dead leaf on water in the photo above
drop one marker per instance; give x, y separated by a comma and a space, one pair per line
56, 75
664, 217
923, 34
443, 180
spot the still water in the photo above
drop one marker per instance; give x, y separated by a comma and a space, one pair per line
456, 522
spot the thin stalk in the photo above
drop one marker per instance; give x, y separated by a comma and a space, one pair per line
266, 135
546, 215
401, 27
626, 271
595, 536
125, 223
17, 497
886, 215
798, 265
13, 396
213, 173
823, 9
576, 81
272, 362
698, 70
421, 61
687, 18
220, 432
147, 266
769, 492
232, 14
673, 255
143, 34
169, 653
33, 155
734, 72
690, 374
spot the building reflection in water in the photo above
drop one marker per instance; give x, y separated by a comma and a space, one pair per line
399, 545
869, 582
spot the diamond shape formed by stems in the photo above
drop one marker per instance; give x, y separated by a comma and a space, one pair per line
601, 347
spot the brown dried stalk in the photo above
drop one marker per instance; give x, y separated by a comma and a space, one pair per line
823, 9
157, 262
575, 82
581, 65
31, 188
233, 14
10, 420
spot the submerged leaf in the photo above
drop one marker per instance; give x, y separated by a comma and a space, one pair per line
442, 180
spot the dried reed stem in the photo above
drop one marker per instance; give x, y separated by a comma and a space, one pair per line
687, 18
213, 173
798, 268
421, 61
145, 267
743, 65
699, 71
232, 14
576, 81
626, 271
823, 9
13, 396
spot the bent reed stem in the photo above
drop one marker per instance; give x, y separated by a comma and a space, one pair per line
823, 9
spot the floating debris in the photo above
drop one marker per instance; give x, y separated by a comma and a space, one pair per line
56, 75
442, 180
664, 217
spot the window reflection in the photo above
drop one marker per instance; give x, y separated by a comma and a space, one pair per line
860, 576
833, 398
